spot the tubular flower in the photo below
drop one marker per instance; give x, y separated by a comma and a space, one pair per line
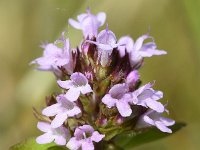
153, 118
100, 88
58, 135
106, 42
61, 110
54, 58
77, 84
84, 136
147, 97
88, 23
118, 96
138, 50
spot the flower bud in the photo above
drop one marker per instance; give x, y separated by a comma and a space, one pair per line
132, 78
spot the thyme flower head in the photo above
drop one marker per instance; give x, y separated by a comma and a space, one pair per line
100, 87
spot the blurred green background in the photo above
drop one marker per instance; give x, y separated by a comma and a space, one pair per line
175, 24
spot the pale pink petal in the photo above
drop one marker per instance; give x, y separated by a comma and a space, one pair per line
124, 108
44, 62
45, 138
144, 91
149, 49
101, 17
140, 103
66, 47
135, 58
81, 17
72, 94
118, 90
74, 24
65, 84
157, 95
78, 79
88, 23
109, 101
147, 93
75, 111
51, 110
86, 128
135, 99
86, 89
143, 123
106, 47
87, 145
153, 114
44, 126
148, 120
90, 26
147, 86
127, 98
139, 42
167, 121
161, 126
60, 140
106, 37
157, 106
51, 50
73, 144
97, 137
44, 68
59, 120
151, 52
61, 62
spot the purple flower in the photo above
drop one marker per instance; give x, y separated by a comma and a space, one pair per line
54, 57
138, 50
105, 41
61, 110
77, 84
58, 135
147, 97
84, 136
153, 118
118, 96
88, 23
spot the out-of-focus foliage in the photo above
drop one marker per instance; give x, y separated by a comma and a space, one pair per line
175, 24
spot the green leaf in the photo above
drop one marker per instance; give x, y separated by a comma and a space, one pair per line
30, 144
110, 132
133, 138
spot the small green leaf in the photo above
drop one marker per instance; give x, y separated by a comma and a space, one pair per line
111, 132
133, 138
30, 144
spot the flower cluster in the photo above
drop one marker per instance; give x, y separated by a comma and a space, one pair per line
101, 94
